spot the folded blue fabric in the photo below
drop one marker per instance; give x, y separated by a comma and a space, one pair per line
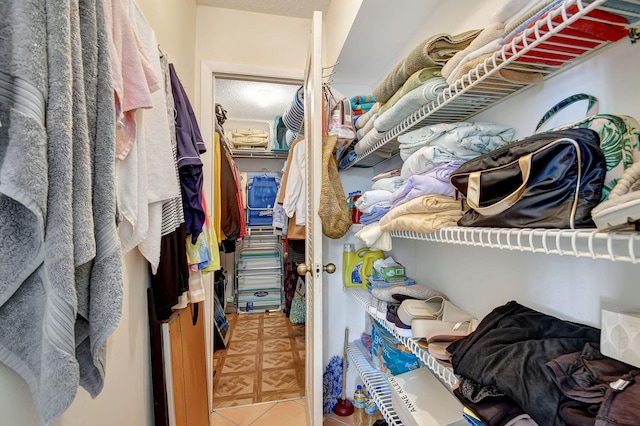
374, 216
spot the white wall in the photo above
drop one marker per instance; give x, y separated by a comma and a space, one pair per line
338, 22
174, 22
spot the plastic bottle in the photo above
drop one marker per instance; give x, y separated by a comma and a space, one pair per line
367, 265
355, 213
359, 398
348, 159
352, 265
336, 122
370, 406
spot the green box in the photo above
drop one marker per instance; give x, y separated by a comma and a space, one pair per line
390, 273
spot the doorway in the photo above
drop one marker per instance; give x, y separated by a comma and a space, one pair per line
264, 359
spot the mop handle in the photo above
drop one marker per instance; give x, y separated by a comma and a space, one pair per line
344, 363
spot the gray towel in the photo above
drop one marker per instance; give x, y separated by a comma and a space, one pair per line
99, 311
37, 297
55, 217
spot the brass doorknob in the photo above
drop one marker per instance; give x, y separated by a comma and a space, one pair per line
329, 268
302, 269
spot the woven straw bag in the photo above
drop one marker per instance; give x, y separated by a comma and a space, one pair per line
333, 209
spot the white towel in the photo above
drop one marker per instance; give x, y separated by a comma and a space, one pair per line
409, 103
162, 182
373, 198
372, 236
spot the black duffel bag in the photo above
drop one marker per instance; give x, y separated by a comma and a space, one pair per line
548, 180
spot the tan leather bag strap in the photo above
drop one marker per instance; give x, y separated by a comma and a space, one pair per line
473, 190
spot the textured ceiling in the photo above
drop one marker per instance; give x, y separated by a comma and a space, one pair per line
294, 8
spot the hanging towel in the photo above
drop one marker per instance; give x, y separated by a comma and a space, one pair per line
162, 184
99, 302
133, 77
48, 296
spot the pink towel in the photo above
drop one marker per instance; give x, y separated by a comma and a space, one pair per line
133, 77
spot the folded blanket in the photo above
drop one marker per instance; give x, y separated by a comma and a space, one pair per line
519, 22
386, 174
510, 75
388, 184
435, 181
368, 141
372, 236
362, 108
361, 99
432, 52
372, 198
362, 120
597, 24
492, 34
250, 132
525, 10
416, 79
464, 140
424, 214
425, 159
374, 215
409, 103
362, 132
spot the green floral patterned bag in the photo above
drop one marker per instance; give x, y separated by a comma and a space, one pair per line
619, 136
298, 304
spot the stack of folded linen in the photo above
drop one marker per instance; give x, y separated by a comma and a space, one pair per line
428, 85
424, 148
250, 138
510, 20
432, 52
361, 104
374, 205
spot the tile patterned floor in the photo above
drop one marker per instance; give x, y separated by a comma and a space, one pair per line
284, 413
259, 378
264, 361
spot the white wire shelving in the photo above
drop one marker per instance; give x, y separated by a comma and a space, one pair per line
445, 374
376, 384
528, 52
613, 246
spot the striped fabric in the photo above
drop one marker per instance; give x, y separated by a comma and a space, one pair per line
172, 211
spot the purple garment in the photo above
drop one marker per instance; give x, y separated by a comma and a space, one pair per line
190, 146
435, 181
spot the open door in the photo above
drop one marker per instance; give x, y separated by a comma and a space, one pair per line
313, 276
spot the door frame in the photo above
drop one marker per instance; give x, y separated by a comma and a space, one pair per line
208, 72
